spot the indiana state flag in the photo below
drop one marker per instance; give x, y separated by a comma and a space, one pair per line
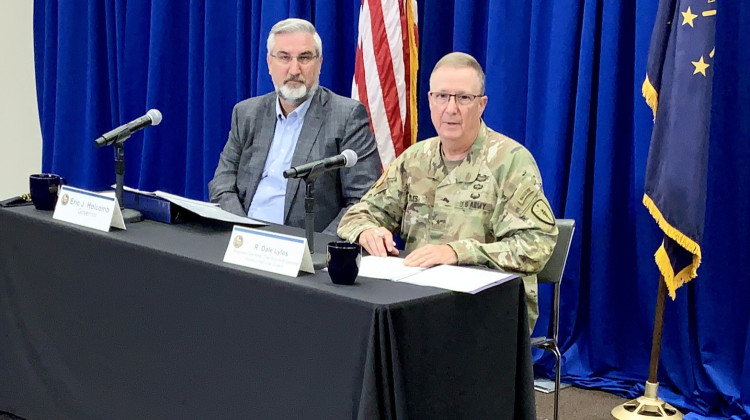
678, 90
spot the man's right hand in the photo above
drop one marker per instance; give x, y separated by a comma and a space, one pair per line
378, 241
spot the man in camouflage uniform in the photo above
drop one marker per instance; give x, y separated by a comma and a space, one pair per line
470, 196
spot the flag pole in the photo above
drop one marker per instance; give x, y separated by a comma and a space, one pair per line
650, 406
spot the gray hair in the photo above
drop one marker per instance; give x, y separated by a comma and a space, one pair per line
293, 26
461, 60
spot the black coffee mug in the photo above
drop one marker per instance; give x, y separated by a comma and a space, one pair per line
343, 262
43, 188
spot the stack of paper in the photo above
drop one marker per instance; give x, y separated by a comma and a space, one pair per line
450, 277
201, 208
208, 210
386, 268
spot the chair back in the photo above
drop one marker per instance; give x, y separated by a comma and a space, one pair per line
553, 271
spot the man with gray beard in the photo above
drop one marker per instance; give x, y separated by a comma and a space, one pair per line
298, 123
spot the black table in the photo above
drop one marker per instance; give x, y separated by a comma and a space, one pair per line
150, 323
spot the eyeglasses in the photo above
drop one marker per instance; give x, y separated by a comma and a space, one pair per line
442, 98
303, 59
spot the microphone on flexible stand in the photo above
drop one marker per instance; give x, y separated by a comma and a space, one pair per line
347, 158
309, 172
121, 133
116, 138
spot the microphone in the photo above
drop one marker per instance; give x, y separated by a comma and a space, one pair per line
347, 158
121, 133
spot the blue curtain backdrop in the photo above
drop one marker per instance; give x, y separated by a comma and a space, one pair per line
564, 78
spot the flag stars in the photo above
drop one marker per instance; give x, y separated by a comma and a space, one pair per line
687, 17
700, 66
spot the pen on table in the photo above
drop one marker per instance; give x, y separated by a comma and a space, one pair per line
381, 236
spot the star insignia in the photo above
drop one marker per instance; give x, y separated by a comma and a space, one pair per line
700, 66
688, 17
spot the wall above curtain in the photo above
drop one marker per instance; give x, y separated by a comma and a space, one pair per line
563, 77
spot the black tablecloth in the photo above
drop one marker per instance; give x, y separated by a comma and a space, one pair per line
150, 323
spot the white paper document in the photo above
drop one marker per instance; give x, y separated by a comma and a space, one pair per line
386, 268
201, 208
208, 210
450, 277
459, 279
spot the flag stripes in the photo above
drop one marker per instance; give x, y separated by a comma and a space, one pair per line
385, 72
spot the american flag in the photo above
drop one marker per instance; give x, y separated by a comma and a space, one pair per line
385, 73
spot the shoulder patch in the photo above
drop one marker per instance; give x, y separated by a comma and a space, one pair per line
541, 210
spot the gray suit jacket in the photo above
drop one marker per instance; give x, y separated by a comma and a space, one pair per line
332, 124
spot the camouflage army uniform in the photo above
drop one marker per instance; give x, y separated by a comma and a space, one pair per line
490, 209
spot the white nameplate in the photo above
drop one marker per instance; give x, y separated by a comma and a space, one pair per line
89, 209
269, 251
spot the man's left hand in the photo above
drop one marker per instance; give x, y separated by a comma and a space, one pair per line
430, 255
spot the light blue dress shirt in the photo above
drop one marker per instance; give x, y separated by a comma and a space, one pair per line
269, 198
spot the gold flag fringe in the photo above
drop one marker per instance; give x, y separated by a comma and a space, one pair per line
413, 66
652, 96
673, 281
